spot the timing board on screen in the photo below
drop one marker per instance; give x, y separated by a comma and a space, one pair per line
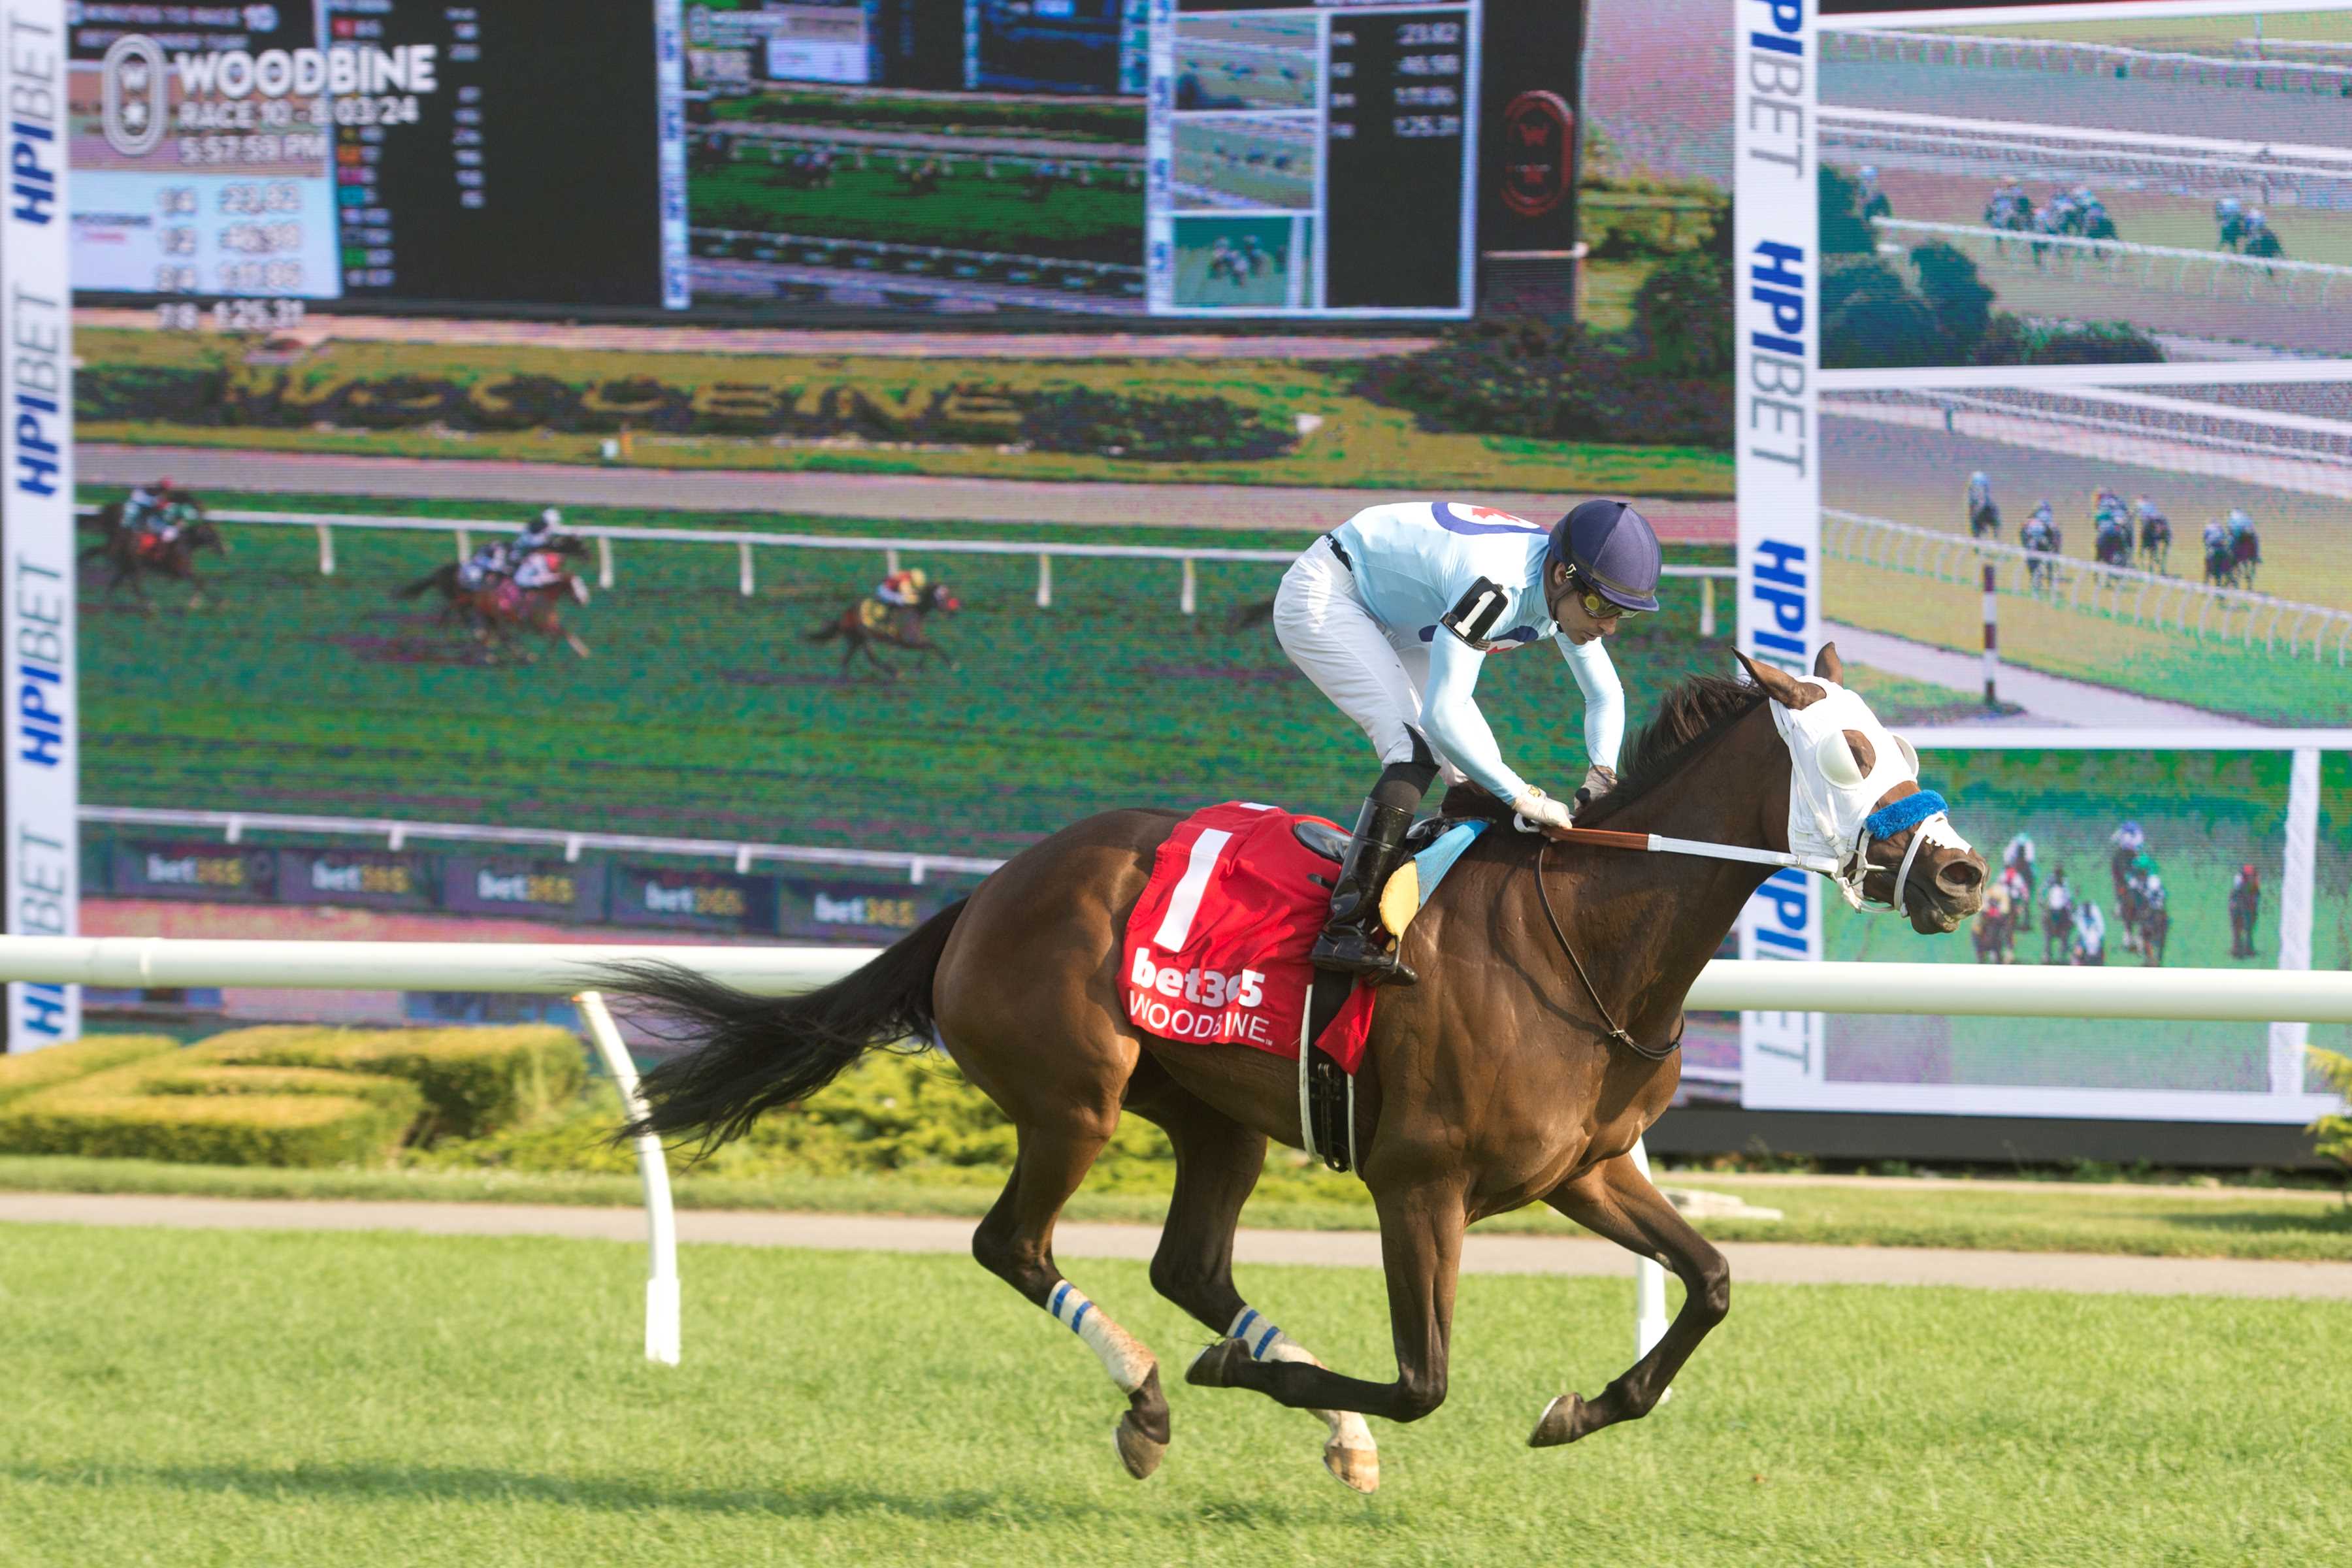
526, 151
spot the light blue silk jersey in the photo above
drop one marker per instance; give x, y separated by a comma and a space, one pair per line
1412, 562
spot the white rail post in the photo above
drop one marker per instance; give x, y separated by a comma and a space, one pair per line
890, 562
465, 545
326, 550
744, 583
1045, 582
604, 560
1188, 600
1649, 1288
1706, 607
662, 1326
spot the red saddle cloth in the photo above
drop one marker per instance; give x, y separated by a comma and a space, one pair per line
1217, 949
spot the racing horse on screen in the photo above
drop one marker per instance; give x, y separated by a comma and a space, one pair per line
1538, 1045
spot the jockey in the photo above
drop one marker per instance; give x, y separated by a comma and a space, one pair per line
902, 588
2091, 934
2146, 510
2060, 897
538, 569
2216, 535
536, 535
2238, 524
1392, 615
1979, 491
2130, 835
148, 509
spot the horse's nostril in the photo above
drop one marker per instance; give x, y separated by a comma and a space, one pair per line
1961, 876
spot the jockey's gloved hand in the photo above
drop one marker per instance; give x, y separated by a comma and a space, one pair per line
1537, 811
1598, 781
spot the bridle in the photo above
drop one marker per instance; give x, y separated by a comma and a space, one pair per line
1919, 813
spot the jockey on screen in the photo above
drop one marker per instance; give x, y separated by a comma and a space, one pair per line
902, 588
1980, 492
148, 509
1392, 615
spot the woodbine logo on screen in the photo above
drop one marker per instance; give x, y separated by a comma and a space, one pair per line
243, 90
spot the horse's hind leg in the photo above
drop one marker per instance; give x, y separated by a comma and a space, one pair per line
1015, 1242
1217, 1165
1615, 1200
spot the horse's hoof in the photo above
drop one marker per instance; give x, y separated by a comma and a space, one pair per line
1358, 1469
1214, 1367
1562, 1421
1138, 1450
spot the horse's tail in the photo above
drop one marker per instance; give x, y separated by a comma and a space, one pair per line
825, 633
753, 1054
439, 577
1251, 614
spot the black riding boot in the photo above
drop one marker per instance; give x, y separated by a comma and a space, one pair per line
1353, 941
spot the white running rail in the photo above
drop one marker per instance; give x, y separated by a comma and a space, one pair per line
2286, 281
746, 540
2121, 593
233, 826
1851, 39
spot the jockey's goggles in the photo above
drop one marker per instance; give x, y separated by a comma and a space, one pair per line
1599, 608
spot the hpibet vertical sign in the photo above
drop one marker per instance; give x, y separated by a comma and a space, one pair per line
1778, 285
37, 522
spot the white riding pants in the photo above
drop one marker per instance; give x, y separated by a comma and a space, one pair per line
1323, 626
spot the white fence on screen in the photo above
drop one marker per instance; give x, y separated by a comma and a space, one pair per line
2314, 176
1848, 41
2306, 996
233, 826
2218, 274
746, 543
2279, 627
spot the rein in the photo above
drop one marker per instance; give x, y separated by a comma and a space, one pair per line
1616, 1032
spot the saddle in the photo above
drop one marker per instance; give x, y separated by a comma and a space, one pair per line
1327, 1090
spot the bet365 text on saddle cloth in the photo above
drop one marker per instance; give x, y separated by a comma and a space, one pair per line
1216, 950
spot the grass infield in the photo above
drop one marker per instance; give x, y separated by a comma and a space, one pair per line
262, 1399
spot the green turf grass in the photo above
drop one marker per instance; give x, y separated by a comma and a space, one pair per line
264, 1399
706, 713
1102, 221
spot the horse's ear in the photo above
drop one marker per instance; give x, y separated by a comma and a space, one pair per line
1828, 666
1778, 683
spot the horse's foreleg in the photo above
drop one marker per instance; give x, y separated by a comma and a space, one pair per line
1615, 1200
1015, 1242
1420, 1252
1217, 1165
571, 640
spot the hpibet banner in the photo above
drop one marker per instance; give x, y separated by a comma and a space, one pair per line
42, 855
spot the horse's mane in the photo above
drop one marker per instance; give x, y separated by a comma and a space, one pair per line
1689, 716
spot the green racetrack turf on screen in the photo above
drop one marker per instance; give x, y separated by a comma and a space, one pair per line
257, 1400
703, 713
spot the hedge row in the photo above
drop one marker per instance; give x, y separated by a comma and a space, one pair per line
290, 1096
1058, 419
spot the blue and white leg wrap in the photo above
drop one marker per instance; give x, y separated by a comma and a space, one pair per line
1258, 1331
1266, 1343
1127, 1362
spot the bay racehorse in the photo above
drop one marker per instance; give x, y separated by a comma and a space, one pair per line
876, 620
132, 554
1504, 1078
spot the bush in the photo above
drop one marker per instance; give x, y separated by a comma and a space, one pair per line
1683, 311
36, 1071
289, 1096
1531, 378
474, 1080
1154, 429
2011, 339
1955, 295
1843, 231
2331, 1134
1871, 320
208, 1113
